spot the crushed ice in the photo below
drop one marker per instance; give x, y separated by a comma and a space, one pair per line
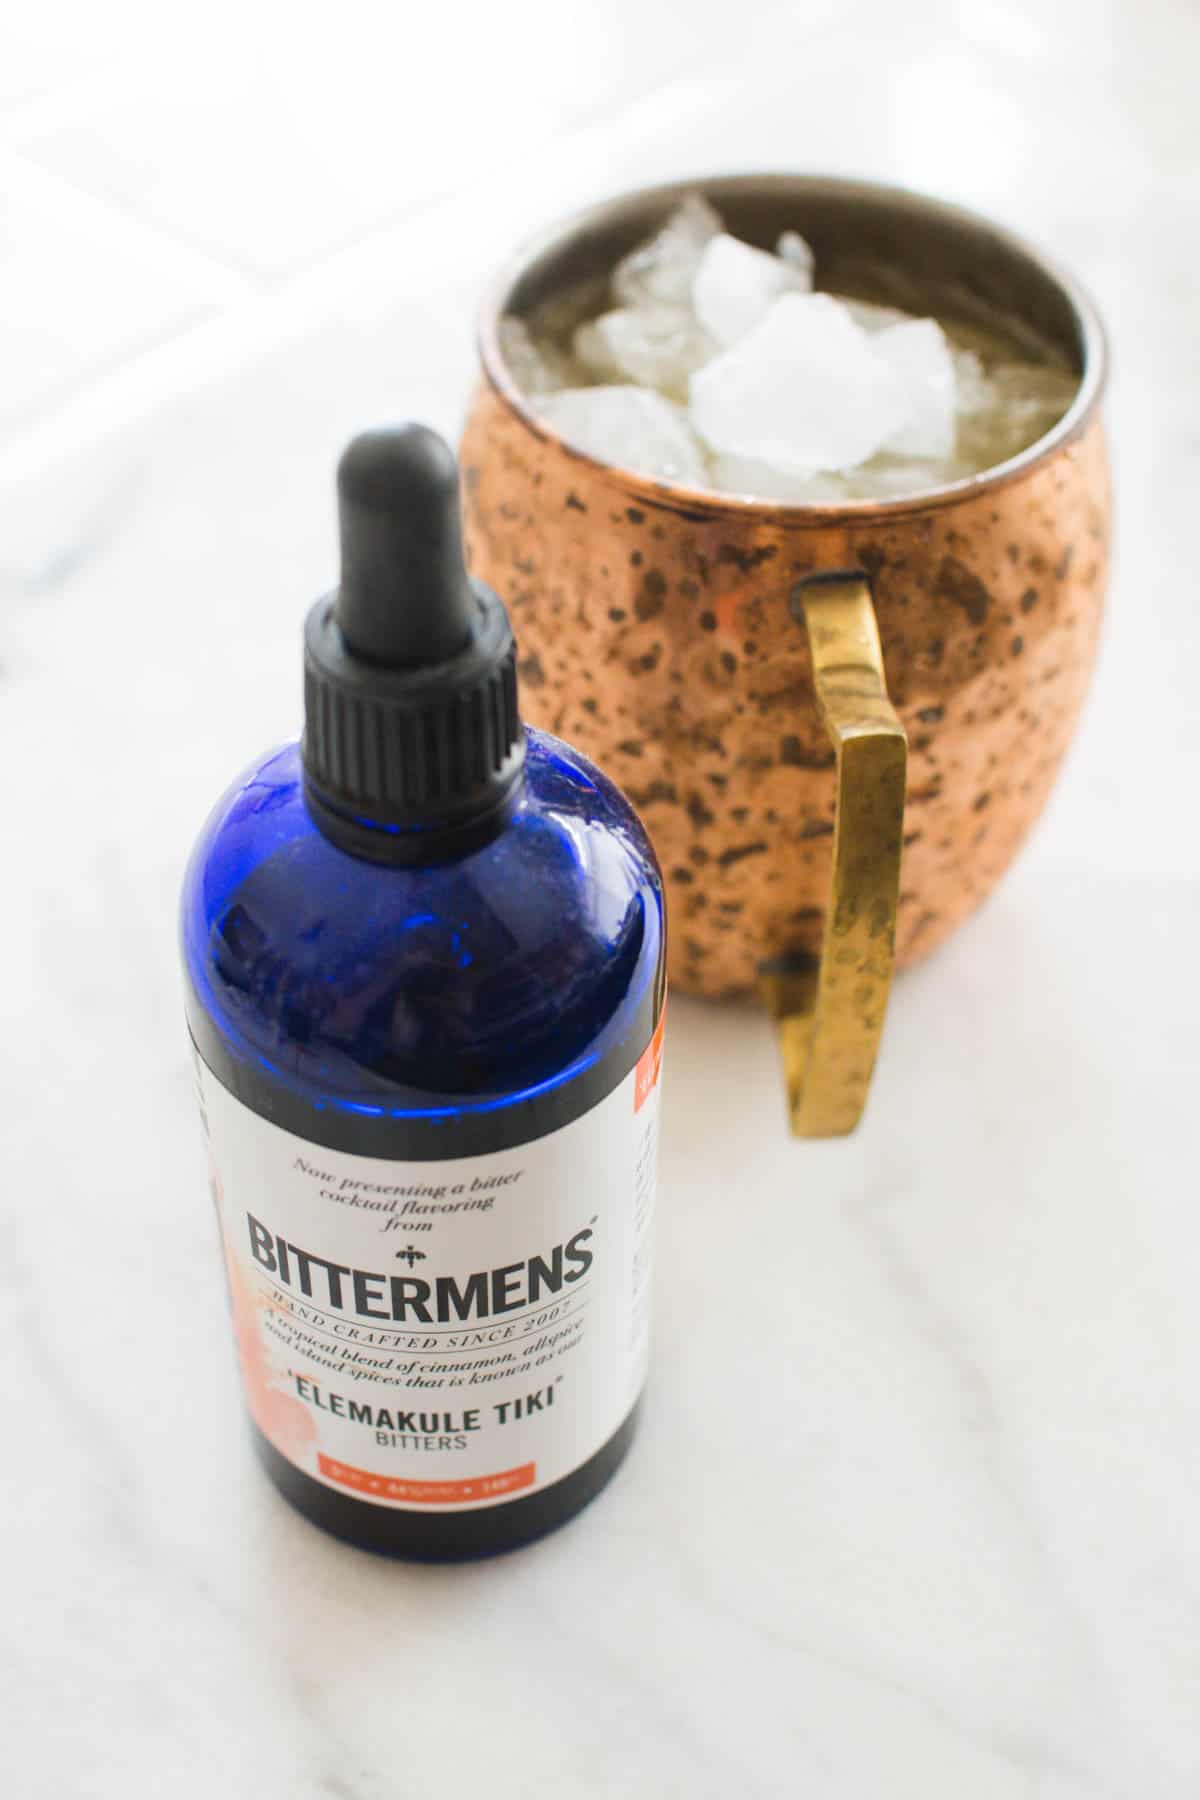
715, 365
629, 425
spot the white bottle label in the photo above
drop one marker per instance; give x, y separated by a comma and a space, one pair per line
440, 1335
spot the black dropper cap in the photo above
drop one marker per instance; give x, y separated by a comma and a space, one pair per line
413, 745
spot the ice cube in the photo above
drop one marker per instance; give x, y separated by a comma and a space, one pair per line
556, 315
803, 392
872, 317
973, 392
662, 269
918, 355
759, 481
536, 366
630, 426
735, 285
794, 249
658, 346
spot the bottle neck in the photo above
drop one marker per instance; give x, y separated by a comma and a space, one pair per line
409, 846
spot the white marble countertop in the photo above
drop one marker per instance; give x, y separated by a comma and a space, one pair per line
914, 1508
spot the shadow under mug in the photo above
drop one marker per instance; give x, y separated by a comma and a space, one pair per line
838, 721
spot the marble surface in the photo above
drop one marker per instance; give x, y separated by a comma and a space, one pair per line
914, 1510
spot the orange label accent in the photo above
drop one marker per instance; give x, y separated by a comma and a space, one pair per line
650, 1066
426, 1493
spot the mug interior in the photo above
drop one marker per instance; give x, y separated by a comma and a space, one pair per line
871, 242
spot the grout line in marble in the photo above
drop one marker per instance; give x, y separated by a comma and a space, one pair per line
254, 316
71, 101
71, 205
55, 433
131, 393
140, 387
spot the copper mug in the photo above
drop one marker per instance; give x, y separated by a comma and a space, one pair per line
839, 721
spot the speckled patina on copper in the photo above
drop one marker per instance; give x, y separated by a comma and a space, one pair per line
656, 624
661, 640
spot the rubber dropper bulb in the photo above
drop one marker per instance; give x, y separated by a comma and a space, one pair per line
404, 599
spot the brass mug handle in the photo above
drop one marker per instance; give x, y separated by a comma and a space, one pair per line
829, 1011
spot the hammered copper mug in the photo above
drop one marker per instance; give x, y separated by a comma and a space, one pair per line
721, 658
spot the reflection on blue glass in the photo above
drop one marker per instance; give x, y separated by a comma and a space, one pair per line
432, 991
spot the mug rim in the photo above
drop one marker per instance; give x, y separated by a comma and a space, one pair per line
648, 488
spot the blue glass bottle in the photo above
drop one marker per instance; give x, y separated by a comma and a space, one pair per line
392, 989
